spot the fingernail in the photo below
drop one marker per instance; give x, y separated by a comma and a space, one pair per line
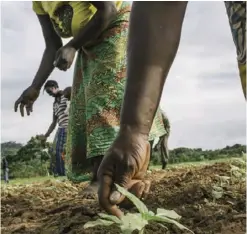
115, 196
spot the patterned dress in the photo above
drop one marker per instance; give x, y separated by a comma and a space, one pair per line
236, 11
98, 84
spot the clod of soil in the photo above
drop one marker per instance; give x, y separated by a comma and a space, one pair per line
54, 207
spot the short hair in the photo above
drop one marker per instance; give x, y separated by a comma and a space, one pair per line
67, 89
51, 83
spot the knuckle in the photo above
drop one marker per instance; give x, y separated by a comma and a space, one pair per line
129, 164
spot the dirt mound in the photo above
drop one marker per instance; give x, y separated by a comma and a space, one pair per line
54, 207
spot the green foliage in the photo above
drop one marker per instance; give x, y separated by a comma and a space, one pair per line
33, 157
237, 174
34, 149
183, 154
29, 160
137, 221
9, 150
32, 168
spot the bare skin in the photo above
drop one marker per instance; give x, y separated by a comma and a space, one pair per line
53, 42
57, 55
91, 190
151, 51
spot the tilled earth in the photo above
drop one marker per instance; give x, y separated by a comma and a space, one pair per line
55, 207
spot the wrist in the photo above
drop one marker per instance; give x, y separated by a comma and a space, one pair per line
36, 85
72, 44
133, 129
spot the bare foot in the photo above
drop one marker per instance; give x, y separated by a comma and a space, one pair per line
90, 192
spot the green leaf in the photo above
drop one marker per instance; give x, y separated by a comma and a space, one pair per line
97, 222
167, 220
217, 192
110, 217
168, 213
131, 222
138, 203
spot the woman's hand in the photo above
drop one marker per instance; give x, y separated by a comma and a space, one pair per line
125, 164
64, 57
27, 98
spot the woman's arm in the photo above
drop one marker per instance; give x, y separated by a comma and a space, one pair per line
52, 43
101, 19
154, 36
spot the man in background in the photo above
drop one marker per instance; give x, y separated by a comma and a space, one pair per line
160, 145
60, 117
67, 94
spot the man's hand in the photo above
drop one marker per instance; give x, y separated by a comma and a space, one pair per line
125, 164
64, 58
42, 137
27, 98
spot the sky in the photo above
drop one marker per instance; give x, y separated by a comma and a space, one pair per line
202, 96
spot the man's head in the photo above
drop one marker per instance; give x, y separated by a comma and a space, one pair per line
67, 93
51, 87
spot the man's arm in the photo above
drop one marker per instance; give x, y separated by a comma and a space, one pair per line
106, 11
52, 126
52, 43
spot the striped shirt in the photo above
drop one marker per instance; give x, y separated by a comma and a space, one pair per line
59, 108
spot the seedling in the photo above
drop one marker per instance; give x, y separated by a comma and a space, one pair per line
137, 221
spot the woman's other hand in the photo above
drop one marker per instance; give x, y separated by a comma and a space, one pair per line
27, 98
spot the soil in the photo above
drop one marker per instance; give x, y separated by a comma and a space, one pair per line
54, 207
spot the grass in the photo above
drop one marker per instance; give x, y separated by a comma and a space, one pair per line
201, 163
178, 165
34, 180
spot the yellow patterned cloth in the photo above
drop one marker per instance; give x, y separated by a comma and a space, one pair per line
97, 95
67, 17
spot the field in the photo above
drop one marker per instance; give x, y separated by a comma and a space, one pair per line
50, 206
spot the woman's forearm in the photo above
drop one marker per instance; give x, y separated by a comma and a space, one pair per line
46, 67
154, 36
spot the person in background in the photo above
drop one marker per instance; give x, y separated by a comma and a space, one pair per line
67, 94
5, 169
162, 144
154, 36
98, 32
61, 118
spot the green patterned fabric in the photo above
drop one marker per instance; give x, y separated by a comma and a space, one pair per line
236, 12
97, 93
